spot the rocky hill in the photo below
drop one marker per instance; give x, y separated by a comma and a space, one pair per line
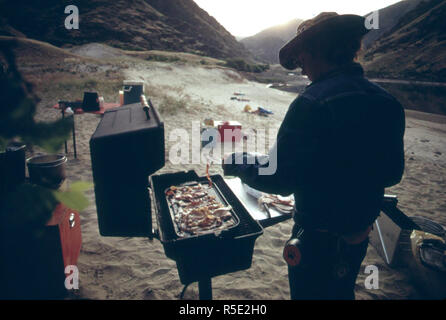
414, 48
388, 18
266, 44
409, 44
172, 25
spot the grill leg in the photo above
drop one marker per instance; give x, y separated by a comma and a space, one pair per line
65, 142
205, 289
74, 140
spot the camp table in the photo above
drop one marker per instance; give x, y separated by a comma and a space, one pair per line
102, 109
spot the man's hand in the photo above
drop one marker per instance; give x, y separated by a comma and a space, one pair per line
226, 164
230, 166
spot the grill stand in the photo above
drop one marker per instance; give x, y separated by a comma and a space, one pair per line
205, 289
74, 135
204, 285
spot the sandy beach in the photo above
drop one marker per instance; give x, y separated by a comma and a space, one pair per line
136, 268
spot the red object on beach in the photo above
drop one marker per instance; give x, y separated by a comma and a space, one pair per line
106, 106
69, 224
229, 131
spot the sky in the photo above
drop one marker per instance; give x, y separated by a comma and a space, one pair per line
245, 18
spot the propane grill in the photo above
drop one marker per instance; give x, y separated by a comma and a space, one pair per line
202, 257
127, 147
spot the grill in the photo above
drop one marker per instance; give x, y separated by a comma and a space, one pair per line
126, 148
201, 257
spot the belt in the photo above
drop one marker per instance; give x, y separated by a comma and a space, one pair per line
353, 238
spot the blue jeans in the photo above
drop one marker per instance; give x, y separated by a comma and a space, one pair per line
328, 269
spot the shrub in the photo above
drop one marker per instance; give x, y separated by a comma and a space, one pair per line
161, 58
242, 65
171, 105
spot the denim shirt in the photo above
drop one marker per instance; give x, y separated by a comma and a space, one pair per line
340, 144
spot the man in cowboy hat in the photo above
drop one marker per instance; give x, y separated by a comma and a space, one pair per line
339, 146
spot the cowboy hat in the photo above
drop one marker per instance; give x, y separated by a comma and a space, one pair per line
324, 26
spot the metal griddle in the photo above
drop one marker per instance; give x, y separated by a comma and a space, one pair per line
213, 191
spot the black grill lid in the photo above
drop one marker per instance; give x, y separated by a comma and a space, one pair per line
126, 142
125, 149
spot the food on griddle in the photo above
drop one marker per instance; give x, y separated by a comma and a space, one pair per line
282, 204
197, 211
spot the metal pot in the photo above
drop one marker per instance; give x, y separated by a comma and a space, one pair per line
47, 170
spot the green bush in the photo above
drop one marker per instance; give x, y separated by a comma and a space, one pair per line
160, 58
19, 107
29, 206
172, 105
242, 65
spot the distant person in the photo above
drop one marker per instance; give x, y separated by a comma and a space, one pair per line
339, 146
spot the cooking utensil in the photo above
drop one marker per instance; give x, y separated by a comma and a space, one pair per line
47, 170
268, 213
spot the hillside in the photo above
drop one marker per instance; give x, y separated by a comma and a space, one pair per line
414, 48
388, 18
266, 44
172, 25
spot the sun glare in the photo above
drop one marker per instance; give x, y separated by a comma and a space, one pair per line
245, 18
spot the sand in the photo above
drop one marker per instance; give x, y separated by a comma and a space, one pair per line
136, 268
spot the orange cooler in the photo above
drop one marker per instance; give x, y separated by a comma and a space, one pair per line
229, 131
